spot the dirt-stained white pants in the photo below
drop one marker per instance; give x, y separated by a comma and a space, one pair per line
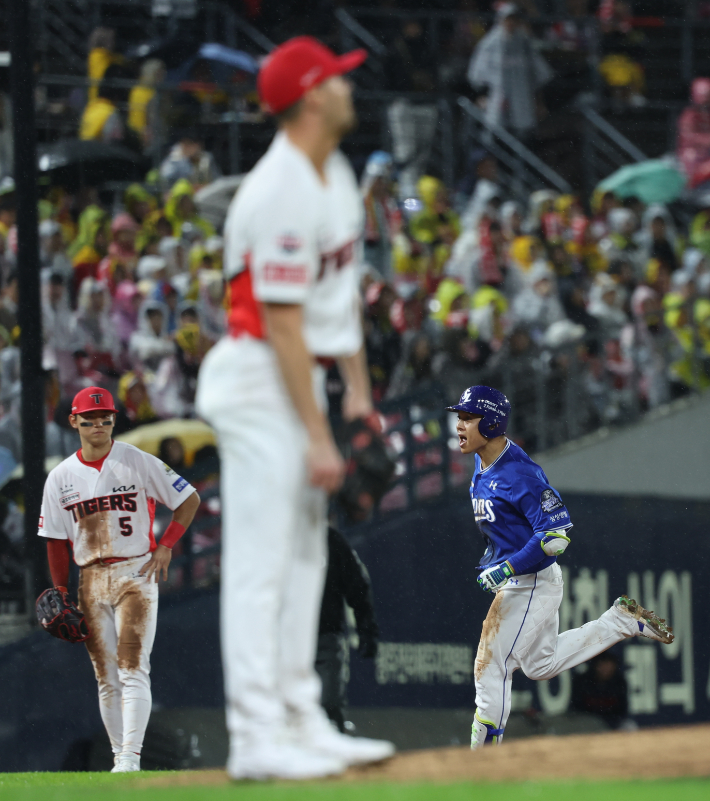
521, 630
121, 608
273, 538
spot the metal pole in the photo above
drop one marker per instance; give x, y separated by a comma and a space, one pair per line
541, 406
447, 143
29, 309
234, 140
687, 43
409, 458
572, 393
588, 151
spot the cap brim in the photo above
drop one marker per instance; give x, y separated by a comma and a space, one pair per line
457, 408
351, 61
97, 409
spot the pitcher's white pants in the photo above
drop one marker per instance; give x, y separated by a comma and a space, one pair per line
521, 631
121, 608
273, 538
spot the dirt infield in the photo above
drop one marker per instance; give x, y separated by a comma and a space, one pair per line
652, 753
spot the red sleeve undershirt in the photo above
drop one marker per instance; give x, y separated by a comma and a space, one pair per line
58, 550
58, 557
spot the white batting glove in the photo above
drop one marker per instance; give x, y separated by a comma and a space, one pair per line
493, 578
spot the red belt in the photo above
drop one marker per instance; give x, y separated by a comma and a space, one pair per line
325, 362
112, 560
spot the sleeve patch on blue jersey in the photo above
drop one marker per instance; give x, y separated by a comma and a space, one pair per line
180, 484
549, 501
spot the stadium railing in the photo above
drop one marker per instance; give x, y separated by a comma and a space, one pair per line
605, 148
62, 28
520, 170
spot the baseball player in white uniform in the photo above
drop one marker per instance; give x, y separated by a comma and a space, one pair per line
101, 502
525, 527
293, 243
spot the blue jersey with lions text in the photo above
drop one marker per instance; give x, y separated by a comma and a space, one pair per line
513, 500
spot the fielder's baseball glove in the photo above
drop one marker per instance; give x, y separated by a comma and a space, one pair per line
369, 467
60, 616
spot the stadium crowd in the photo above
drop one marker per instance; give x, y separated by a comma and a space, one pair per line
457, 282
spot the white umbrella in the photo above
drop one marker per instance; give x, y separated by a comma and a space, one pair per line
213, 200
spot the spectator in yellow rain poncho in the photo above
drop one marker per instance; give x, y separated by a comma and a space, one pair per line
450, 299
487, 319
101, 55
689, 319
624, 77
144, 102
524, 250
700, 232
133, 394
434, 230
90, 245
139, 203
180, 209
101, 118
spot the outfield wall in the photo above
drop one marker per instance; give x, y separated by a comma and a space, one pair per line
430, 607
430, 611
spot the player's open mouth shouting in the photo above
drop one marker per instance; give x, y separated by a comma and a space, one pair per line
470, 439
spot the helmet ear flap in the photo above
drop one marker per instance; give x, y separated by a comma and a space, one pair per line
492, 425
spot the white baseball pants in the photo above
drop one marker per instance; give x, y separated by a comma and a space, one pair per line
121, 608
273, 538
521, 631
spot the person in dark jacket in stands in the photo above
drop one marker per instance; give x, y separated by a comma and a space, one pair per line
602, 691
346, 582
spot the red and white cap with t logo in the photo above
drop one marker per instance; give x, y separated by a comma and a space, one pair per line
298, 65
92, 399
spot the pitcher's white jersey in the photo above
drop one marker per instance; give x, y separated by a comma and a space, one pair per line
109, 513
290, 238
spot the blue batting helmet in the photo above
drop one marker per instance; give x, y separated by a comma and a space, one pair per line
491, 404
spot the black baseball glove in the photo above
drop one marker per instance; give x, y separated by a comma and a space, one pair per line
60, 616
369, 467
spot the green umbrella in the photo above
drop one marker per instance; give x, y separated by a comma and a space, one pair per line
652, 181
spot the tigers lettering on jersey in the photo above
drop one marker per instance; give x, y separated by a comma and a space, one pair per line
122, 502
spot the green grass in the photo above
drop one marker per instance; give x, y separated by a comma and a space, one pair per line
111, 787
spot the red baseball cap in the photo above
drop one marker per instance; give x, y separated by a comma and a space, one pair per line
298, 65
92, 399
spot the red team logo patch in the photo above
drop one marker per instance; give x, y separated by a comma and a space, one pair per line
41, 522
285, 273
